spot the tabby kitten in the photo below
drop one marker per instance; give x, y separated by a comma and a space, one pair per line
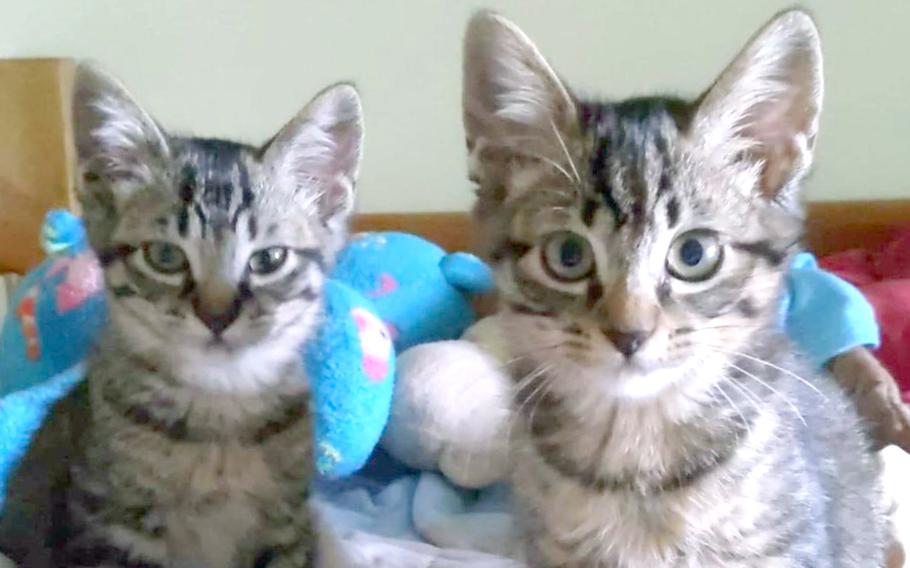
189, 444
640, 249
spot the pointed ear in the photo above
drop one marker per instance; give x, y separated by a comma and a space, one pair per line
115, 139
765, 106
513, 102
317, 154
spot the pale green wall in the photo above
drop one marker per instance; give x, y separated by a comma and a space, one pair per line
241, 67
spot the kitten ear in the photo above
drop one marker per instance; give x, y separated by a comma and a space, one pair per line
115, 139
513, 102
317, 154
765, 106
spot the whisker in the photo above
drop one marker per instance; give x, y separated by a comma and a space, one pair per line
717, 386
769, 364
786, 400
753, 398
688, 330
559, 168
565, 149
547, 384
574, 180
537, 349
529, 379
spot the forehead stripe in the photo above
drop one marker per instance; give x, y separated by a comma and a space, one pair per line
246, 201
203, 220
672, 211
183, 221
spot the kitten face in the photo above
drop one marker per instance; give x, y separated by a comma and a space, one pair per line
215, 252
638, 243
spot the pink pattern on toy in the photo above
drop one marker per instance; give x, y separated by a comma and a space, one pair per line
375, 344
27, 313
393, 331
83, 278
387, 285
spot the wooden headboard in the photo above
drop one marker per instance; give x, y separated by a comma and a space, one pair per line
831, 226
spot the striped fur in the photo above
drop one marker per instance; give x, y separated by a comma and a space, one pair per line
664, 420
190, 442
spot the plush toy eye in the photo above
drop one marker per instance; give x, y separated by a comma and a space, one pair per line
267, 261
164, 257
567, 256
695, 256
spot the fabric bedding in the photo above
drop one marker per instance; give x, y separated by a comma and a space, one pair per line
391, 516
883, 276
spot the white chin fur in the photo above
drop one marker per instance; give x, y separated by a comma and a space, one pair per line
239, 369
244, 370
634, 384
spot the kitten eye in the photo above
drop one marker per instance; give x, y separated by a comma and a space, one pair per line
695, 256
267, 261
164, 257
567, 256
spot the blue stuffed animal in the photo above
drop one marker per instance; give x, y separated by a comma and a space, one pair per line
55, 314
387, 291
386, 288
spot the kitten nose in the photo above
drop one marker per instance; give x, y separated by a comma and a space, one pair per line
627, 342
217, 309
218, 321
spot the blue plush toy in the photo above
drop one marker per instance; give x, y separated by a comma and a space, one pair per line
386, 288
55, 315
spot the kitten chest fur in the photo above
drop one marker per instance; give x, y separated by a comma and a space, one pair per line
645, 526
213, 467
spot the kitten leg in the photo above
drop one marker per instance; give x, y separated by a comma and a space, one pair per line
292, 541
96, 530
97, 552
308, 543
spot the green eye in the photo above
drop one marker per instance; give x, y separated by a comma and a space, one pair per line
695, 256
164, 257
267, 261
567, 256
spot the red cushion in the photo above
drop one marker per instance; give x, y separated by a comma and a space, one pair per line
884, 278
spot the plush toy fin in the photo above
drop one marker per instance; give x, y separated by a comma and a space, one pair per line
62, 232
467, 272
825, 315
